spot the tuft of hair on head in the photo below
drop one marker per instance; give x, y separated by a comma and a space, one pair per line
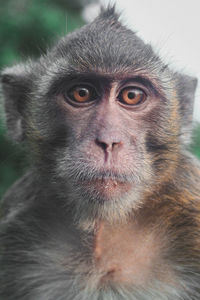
109, 11
110, 14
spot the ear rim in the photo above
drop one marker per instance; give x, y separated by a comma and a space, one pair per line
186, 86
190, 82
15, 86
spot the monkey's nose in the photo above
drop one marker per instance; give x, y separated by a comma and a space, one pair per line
108, 146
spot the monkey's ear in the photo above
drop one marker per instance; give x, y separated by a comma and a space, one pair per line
15, 83
186, 87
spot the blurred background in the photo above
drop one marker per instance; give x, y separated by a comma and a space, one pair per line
28, 27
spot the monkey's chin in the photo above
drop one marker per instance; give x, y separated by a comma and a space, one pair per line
108, 189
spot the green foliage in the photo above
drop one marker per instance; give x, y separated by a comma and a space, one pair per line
195, 146
27, 28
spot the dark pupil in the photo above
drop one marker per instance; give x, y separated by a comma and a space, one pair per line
131, 95
82, 93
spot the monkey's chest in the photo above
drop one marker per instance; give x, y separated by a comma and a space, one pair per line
126, 255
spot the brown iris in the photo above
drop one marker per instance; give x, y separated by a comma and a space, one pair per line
82, 94
132, 96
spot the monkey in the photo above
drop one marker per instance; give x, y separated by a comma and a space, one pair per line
110, 205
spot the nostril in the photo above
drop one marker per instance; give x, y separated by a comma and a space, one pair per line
101, 144
116, 145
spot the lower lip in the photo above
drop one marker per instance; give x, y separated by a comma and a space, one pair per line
108, 188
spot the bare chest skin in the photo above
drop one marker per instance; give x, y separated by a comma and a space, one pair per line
129, 255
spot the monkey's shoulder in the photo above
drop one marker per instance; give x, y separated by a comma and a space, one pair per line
19, 195
187, 175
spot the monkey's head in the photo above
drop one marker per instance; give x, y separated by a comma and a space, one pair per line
104, 117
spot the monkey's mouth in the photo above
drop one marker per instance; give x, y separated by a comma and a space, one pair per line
107, 188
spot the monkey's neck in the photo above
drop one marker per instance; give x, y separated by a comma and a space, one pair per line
129, 254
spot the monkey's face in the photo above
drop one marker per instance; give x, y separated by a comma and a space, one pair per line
106, 149
107, 140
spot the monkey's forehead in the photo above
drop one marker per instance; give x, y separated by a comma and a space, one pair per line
105, 45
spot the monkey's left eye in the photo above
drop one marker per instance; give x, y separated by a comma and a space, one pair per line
82, 94
132, 96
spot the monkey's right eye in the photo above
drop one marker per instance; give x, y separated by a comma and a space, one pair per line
82, 94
